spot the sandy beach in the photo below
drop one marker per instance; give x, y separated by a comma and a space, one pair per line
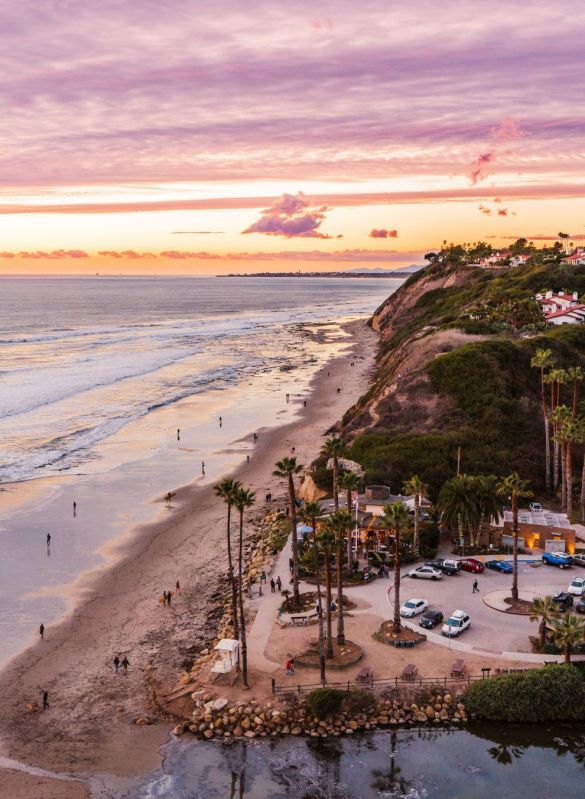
89, 728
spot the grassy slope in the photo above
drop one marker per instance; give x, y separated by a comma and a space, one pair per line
494, 410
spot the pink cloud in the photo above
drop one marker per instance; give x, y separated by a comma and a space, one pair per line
479, 168
291, 216
485, 210
42, 255
383, 233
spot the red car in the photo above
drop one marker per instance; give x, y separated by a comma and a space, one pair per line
472, 565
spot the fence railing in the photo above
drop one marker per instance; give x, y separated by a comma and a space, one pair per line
389, 682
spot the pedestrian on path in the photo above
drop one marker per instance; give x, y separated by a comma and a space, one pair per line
272, 585
263, 577
125, 664
475, 587
169, 597
279, 583
42, 631
45, 700
164, 597
48, 540
116, 664
178, 586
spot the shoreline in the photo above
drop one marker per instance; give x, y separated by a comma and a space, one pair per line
90, 724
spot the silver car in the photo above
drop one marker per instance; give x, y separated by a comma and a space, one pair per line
426, 573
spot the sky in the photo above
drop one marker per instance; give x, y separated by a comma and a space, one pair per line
183, 137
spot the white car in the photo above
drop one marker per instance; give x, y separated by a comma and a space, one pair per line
579, 560
535, 507
412, 607
426, 573
577, 586
457, 622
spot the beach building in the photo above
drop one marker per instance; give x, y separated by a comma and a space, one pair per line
547, 531
561, 308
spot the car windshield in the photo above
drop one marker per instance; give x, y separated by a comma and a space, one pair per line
454, 622
410, 604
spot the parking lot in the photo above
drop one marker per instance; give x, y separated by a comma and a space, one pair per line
491, 630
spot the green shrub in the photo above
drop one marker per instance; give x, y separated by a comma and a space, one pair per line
324, 701
359, 700
547, 694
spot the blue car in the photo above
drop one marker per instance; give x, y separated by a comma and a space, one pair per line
499, 566
559, 559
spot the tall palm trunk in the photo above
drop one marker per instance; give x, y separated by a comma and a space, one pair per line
396, 627
515, 559
329, 599
231, 576
335, 491
546, 433
340, 619
294, 540
415, 541
349, 538
569, 478
567, 653
241, 604
563, 448
319, 605
582, 498
461, 533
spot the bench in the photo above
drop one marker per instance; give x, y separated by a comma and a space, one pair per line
298, 620
365, 675
409, 672
458, 669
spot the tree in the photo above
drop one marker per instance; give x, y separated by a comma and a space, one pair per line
333, 449
543, 360
489, 502
288, 468
568, 632
226, 490
580, 437
326, 540
309, 514
349, 482
575, 375
556, 378
397, 519
418, 489
565, 241
561, 419
339, 523
458, 506
514, 488
243, 498
544, 610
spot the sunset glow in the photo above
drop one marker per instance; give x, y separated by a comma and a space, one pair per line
175, 139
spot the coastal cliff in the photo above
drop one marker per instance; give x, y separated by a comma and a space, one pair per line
453, 371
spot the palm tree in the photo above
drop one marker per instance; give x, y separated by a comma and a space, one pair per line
543, 360
561, 417
308, 514
580, 438
288, 468
416, 487
556, 378
564, 237
340, 523
243, 498
489, 503
458, 506
575, 375
569, 632
226, 490
349, 482
397, 519
544, 610
326, 540
333, 449
515, 488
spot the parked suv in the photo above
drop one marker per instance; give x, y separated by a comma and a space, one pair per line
579, 560
449, 567
471, 565
563, 600
431, 618
536, 507
559, 559
457, 622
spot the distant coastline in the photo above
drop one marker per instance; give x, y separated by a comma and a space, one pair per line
398, 273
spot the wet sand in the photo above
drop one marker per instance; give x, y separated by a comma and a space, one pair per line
89, 727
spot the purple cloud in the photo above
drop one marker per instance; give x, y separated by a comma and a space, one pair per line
291, 216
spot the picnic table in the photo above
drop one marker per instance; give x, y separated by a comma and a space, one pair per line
365, 675
458, 669
409, 672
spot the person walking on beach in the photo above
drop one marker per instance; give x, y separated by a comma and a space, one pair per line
287, 397
116, 664
255, 436
305, 403
475, 587
178, 586
48, 540
247, 459
220, 422
42, 631
178, 433
164, 597
74, 508
279, 583
272, 585
125, 664
45, 700
203, 468
169, 597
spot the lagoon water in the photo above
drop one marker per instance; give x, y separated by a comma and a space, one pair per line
97, 375
482, 762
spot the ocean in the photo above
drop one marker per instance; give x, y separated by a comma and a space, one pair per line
96, 377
